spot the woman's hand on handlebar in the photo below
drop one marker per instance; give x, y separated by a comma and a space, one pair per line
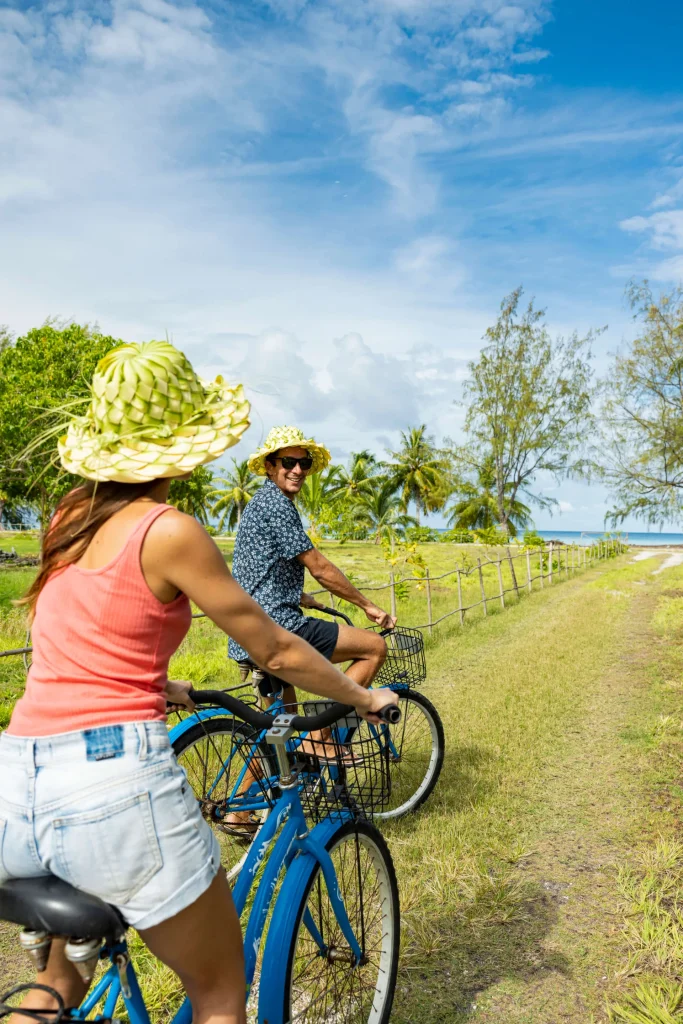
377, 699
177, 694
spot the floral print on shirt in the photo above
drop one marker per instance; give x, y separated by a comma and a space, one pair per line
269, 538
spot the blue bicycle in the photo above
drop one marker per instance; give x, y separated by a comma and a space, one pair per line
231, 770
319, 884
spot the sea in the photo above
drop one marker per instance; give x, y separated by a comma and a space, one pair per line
637, 539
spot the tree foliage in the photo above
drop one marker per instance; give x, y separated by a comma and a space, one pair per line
419, 470
235, 488
641, 450
192, 496
528, 403
380, 511
476, 503
41, 373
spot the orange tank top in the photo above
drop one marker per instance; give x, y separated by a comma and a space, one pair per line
102, 642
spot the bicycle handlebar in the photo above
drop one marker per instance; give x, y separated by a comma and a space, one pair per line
302, 723
347, 620
337, 615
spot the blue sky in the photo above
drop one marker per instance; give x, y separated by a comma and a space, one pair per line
328, 199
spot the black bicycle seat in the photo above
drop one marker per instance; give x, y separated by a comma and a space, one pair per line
51, 905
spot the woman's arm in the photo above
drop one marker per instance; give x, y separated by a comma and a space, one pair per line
179, 551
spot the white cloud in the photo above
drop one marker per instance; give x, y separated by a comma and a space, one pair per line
665, 229
663, 232
565, 506
342, 171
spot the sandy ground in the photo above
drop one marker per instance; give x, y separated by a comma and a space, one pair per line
673, 558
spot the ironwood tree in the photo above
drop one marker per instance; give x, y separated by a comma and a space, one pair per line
528, 400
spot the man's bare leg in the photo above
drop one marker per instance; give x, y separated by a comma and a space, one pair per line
367, 652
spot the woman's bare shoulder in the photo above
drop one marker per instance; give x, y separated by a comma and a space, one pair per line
176, 535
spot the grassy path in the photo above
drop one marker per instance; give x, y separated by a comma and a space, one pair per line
512, 909
511, 905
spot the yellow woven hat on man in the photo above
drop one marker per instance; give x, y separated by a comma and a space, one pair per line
288, 437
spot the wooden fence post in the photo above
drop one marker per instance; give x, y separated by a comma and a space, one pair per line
462, 611
566, 563
429, 601
540, 559
481, 584
550, 563
528, 570
513, 573
393, 592
500, 583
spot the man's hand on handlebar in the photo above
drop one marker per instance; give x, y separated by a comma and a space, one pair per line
310, 602
177, 694
376, 700
379, 617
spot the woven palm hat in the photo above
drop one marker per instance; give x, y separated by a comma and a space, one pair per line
151, 416
288, 437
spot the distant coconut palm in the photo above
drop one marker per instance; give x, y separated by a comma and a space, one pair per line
476, 505
380, 510
238, 487
419, 470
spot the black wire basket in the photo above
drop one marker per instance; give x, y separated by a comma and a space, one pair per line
405, 664
348, 774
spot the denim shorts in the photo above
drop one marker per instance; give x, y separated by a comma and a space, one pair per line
110, 811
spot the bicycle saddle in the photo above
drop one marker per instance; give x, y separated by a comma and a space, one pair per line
51, 905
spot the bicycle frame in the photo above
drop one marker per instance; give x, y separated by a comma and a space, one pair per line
239, 802
287, 818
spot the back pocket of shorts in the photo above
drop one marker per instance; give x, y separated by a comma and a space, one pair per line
111, 852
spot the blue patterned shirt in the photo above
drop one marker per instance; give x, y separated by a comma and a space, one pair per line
269, 538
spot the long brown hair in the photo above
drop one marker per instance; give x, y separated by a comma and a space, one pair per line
75, 522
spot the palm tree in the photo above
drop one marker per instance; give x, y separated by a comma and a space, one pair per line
357, 479
193, 496
380, 509
419, 470
239, 485
317, 492
476, 505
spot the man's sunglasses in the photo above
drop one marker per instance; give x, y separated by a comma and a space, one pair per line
289, 462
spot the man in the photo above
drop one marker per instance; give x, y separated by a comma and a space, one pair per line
272, 552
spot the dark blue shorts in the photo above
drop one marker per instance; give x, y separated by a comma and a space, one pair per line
319, 633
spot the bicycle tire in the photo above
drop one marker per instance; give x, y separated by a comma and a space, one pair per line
233, 850
341, 993
413, 789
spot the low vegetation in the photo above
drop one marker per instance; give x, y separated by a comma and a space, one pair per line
542, 880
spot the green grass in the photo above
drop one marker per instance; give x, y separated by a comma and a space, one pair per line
24, 542
515, 878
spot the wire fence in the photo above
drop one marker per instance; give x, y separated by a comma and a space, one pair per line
540, 566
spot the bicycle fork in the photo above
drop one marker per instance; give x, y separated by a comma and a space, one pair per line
278, 736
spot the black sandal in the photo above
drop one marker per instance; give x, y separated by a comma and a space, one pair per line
244, 830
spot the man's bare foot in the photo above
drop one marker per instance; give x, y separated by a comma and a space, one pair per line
243, 825
330, 753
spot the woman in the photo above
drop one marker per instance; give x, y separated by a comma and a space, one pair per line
89, 788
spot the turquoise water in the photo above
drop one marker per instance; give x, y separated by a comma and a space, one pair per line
577, 537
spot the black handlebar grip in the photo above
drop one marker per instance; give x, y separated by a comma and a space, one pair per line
391, 714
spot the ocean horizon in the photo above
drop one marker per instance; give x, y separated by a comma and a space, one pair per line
587, 537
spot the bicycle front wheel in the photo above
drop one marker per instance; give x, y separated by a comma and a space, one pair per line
323, 983
416, 752
213, 755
